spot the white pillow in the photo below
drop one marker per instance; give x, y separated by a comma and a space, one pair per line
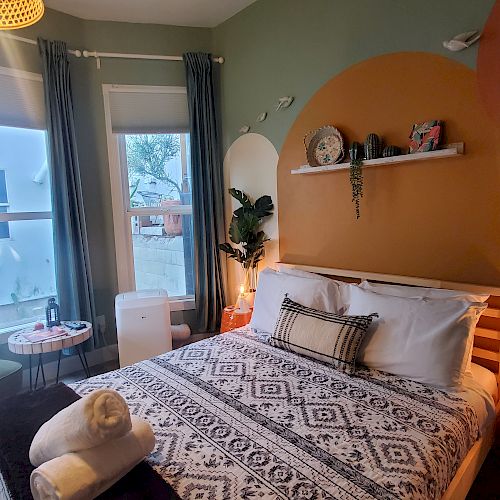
423, 339
416, 292
317, 293
342, 298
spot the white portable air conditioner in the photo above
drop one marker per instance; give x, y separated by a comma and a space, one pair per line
142, 325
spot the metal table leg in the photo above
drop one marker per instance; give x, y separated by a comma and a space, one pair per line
37, 371
83, 359
58, 365
31, 376
43, 371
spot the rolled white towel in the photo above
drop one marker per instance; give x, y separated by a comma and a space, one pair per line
92, 420
88, 473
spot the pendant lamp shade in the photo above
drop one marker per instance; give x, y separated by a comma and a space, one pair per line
16, 14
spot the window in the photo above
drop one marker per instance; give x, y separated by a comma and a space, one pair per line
159, 208
27, 271
26, 245
148, 145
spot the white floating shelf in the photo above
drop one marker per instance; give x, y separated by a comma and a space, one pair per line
447, 151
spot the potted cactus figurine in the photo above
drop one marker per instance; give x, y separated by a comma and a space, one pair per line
391, 151
372, 147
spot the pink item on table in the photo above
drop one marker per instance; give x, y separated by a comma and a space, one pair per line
39, 326
48, 333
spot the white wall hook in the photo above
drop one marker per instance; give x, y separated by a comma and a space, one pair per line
262, 117
244, 129
284, 102
462, 41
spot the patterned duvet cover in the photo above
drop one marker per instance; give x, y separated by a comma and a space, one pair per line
236, 418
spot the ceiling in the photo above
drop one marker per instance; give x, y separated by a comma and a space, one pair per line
206, 13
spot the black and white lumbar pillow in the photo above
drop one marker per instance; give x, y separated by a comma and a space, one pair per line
324, 336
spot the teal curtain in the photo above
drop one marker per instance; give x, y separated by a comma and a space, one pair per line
73, 275
207, 189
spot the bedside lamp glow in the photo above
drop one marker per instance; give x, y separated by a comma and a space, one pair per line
242, 304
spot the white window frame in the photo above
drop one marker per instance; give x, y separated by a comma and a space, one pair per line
5, 205
122, 212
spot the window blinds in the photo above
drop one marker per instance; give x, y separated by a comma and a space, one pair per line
158, 110
21, 99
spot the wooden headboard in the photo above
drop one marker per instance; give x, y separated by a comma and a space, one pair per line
487, 335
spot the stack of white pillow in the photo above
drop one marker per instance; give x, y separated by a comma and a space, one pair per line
425, 334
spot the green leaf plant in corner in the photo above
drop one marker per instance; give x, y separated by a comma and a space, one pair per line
356, 174
244, 230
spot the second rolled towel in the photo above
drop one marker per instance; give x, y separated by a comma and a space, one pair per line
94, 419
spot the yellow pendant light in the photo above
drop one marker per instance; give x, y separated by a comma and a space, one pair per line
16, 14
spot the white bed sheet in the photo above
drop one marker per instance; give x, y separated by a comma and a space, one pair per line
480, 391
487, 379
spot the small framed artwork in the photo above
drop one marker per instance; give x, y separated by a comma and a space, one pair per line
425, 136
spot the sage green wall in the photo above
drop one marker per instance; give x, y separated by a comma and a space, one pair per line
276, 48
89, 112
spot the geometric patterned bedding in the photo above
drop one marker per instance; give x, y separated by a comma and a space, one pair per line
237, 418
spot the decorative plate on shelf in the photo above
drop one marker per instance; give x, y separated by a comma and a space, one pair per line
324, 146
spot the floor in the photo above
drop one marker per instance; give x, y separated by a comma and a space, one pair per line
485, 487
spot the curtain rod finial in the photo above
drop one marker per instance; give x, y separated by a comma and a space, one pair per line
219, 60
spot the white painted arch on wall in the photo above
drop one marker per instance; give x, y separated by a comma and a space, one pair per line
251, 165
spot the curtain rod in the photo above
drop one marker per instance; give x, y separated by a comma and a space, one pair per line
110, 55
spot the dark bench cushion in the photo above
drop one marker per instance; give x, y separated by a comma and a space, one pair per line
11, 377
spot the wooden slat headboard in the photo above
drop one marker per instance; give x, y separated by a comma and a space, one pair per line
487, 335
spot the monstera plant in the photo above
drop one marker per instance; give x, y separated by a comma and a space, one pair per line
245, 233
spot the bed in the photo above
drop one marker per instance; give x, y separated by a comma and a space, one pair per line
235, 418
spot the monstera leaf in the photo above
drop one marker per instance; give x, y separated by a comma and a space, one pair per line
241, 197
234, 231
234, 253
257, 241
263, 207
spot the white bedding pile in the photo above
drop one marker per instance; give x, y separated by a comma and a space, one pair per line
427, 340
425, 334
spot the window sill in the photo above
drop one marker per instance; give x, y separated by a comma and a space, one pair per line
182, 304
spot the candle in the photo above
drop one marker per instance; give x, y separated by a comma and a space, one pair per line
242, 304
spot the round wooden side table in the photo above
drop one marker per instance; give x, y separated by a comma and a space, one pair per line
18, 344
233, 318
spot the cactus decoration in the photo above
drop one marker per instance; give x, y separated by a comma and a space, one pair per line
391, 151
355, 174
372, 147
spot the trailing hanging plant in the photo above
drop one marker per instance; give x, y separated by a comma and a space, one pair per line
244, 230
356, 174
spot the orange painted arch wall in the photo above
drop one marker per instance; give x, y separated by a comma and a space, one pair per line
437, 219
